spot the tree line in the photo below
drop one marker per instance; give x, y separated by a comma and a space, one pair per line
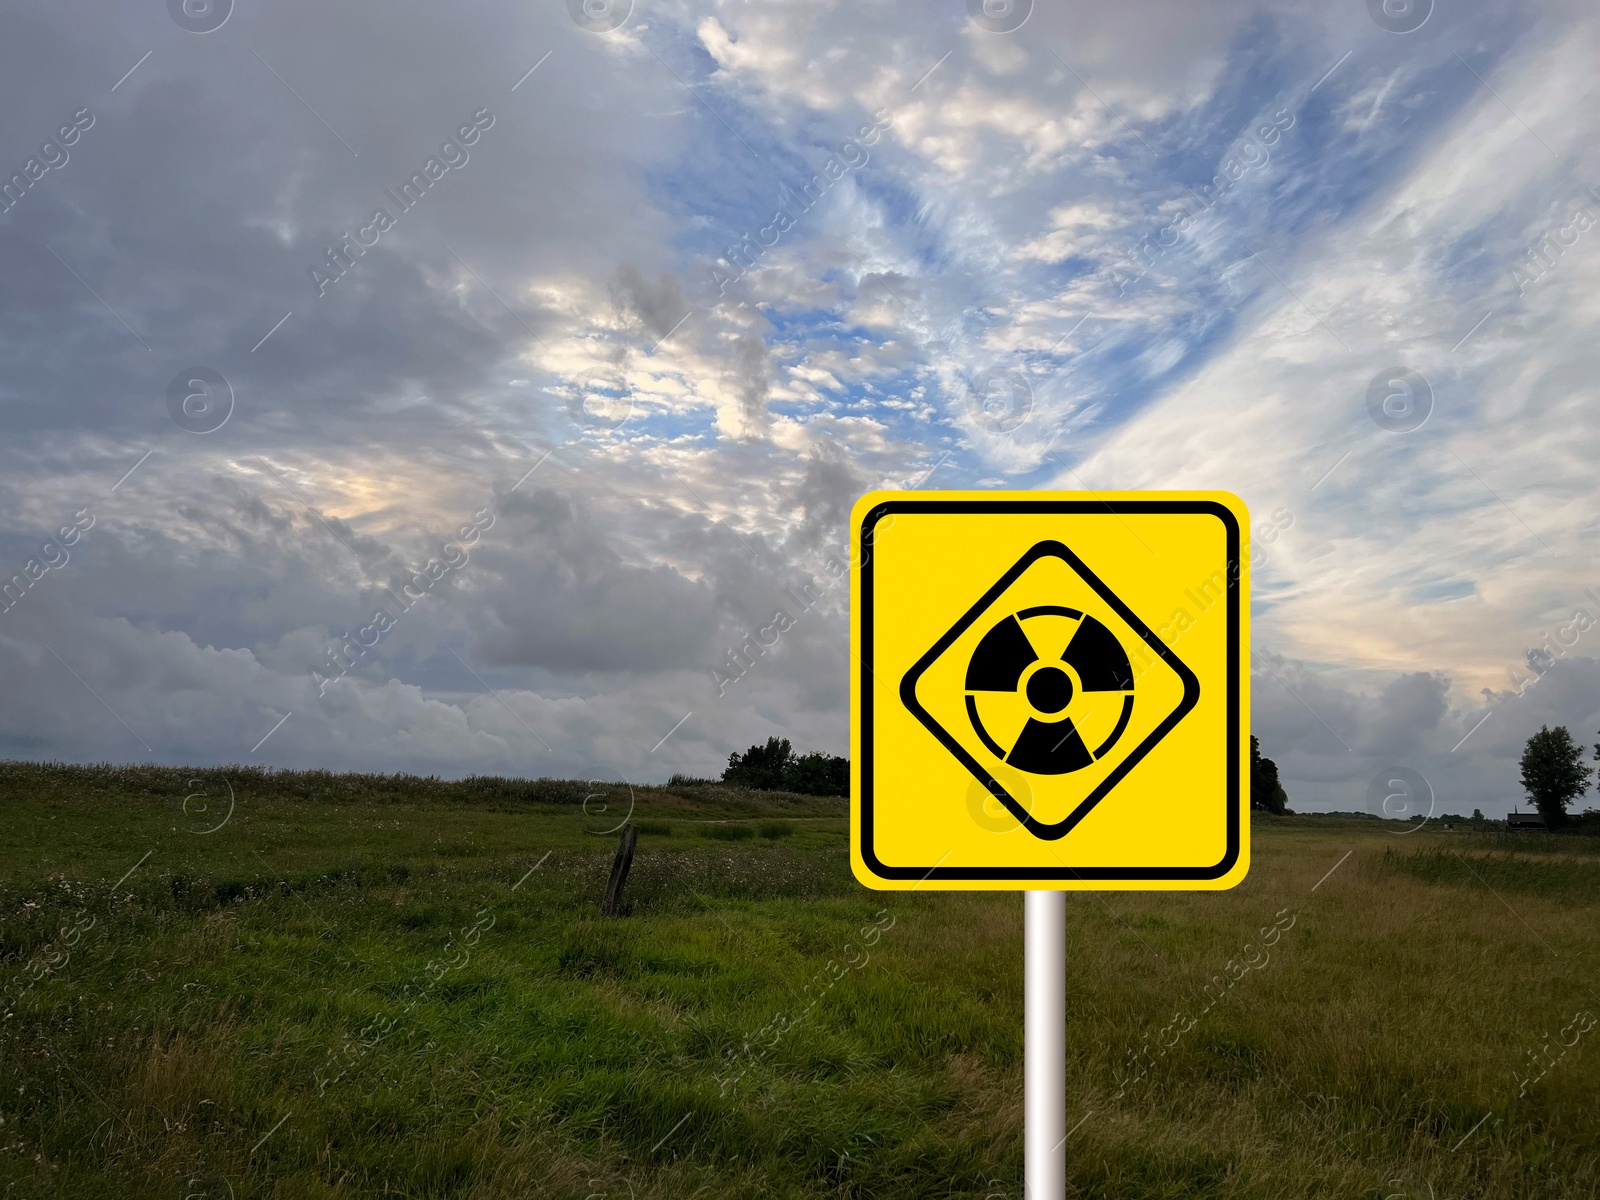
775, 767
1554, 773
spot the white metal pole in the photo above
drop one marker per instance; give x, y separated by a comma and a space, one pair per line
1045, 1045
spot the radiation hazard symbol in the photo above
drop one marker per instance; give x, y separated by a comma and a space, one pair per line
1049, 690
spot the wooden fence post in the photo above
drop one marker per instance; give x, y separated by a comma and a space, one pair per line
619, 870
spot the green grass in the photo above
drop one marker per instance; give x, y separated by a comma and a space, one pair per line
367, 986
1549, 874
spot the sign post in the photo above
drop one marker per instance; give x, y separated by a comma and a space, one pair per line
1045, 1040
1050, 694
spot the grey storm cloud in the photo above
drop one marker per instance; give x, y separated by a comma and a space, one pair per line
213, 644
822, 498
1408, 709
566, 600
660, 305
752, 374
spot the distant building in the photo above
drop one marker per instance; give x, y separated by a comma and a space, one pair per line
1522, 820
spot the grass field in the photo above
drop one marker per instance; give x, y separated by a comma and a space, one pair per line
337, 986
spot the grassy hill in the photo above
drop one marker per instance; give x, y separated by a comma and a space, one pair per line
339, 985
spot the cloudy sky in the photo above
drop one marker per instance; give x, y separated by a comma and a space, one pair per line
580, 404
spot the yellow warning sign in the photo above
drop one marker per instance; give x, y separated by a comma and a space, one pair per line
1050, 690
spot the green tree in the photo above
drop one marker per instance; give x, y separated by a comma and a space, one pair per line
1265, 789
818, 774
1553, 773
776, 767
761, 767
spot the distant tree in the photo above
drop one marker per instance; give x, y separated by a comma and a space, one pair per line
1553, 773
1265, 790
760, 767
776, 767
818, 774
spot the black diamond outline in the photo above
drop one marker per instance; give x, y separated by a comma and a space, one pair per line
864, 695
1059, 829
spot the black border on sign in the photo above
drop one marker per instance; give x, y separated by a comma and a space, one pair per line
1230, 525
